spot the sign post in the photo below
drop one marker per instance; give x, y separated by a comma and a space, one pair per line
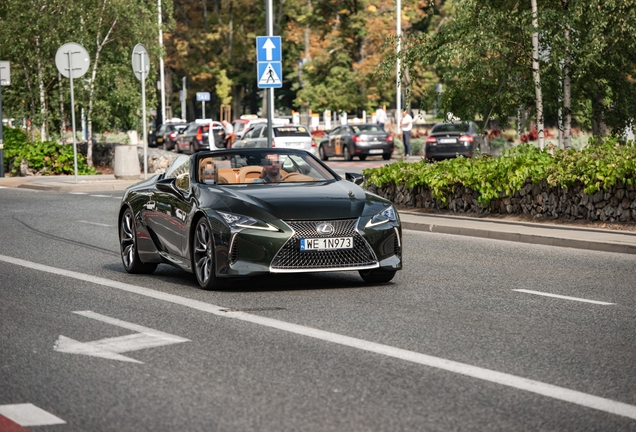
269, 69
203, 97
72, 61
5, 80
141, 66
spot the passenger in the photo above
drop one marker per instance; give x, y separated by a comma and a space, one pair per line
208, 173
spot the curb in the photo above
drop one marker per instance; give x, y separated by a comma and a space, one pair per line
522, 238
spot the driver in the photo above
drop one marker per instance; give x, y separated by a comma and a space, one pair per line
271, 170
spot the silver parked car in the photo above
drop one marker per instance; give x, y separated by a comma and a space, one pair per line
285, 136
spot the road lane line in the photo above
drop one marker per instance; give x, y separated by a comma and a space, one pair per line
562, 297
102, 196
78, 193
95, 223
548, 390
27, 414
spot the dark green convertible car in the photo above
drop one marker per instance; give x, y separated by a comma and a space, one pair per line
240, 213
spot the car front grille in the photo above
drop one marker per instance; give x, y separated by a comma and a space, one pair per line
290, 257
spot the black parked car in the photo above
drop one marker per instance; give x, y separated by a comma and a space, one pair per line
360, 140
201, 135
166, 135
449, 140
240, 213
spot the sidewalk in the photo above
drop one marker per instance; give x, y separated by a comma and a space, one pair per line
523, 232
104, 182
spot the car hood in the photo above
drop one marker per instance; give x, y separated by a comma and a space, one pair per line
315, 201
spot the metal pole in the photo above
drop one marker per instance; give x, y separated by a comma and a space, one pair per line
270, 91
203, 114
183, 100
161, 72
398, 96
143, 110
1, 136
70, 75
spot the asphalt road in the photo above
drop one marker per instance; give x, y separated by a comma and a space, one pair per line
448, 345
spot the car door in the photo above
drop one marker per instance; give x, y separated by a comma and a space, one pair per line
331, 146
254, 137
169, 219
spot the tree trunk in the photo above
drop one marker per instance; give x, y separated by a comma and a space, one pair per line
91, 94
43, 109
535, 74
599, 127
567, 104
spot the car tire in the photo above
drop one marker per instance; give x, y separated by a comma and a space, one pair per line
363, 157
377, 275
128, 246
322, 154
346, 154
203, 259
386, 156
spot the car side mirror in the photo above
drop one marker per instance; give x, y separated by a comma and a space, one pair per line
354, 178
168, 185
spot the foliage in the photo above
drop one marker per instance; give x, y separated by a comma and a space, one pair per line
600, 165
482, 54
47, 158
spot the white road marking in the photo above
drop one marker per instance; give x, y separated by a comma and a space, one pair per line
95, 223
548, 390
27, 414
3, 187
102, 196
78, 193
110, 348
562, 297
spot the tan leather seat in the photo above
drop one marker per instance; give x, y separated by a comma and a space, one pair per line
247, 174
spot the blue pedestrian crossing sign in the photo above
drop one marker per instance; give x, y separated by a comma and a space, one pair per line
269, 57
269, 75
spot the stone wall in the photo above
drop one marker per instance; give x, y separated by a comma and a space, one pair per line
537, 200
104, 154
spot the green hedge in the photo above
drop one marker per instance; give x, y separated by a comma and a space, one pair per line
599, 165
48, 157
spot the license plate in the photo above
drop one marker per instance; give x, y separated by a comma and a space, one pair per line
376, 151
448, 141
159, 139
327, 243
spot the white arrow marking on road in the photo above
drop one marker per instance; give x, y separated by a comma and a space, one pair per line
110, 348
268, 46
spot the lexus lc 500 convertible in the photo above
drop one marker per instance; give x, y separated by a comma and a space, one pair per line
238, 213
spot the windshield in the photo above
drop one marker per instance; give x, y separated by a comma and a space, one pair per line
291, 131
366, 128
260, 167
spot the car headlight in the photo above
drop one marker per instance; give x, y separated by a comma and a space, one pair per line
386, 215
238, 222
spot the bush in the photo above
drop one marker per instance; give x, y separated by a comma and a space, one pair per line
417, 146
600, 165
47, 158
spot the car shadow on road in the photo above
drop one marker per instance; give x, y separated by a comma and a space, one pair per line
263, 283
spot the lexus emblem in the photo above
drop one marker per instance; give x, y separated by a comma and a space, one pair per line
324, 228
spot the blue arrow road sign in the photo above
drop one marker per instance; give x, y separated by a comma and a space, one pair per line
268, 49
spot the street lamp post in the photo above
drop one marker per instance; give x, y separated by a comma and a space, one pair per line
161, 73
398, 96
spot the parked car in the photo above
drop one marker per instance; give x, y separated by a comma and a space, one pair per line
245, 123
449, 140
361, 140
285, 136
166, 135
214, 215
201, 135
